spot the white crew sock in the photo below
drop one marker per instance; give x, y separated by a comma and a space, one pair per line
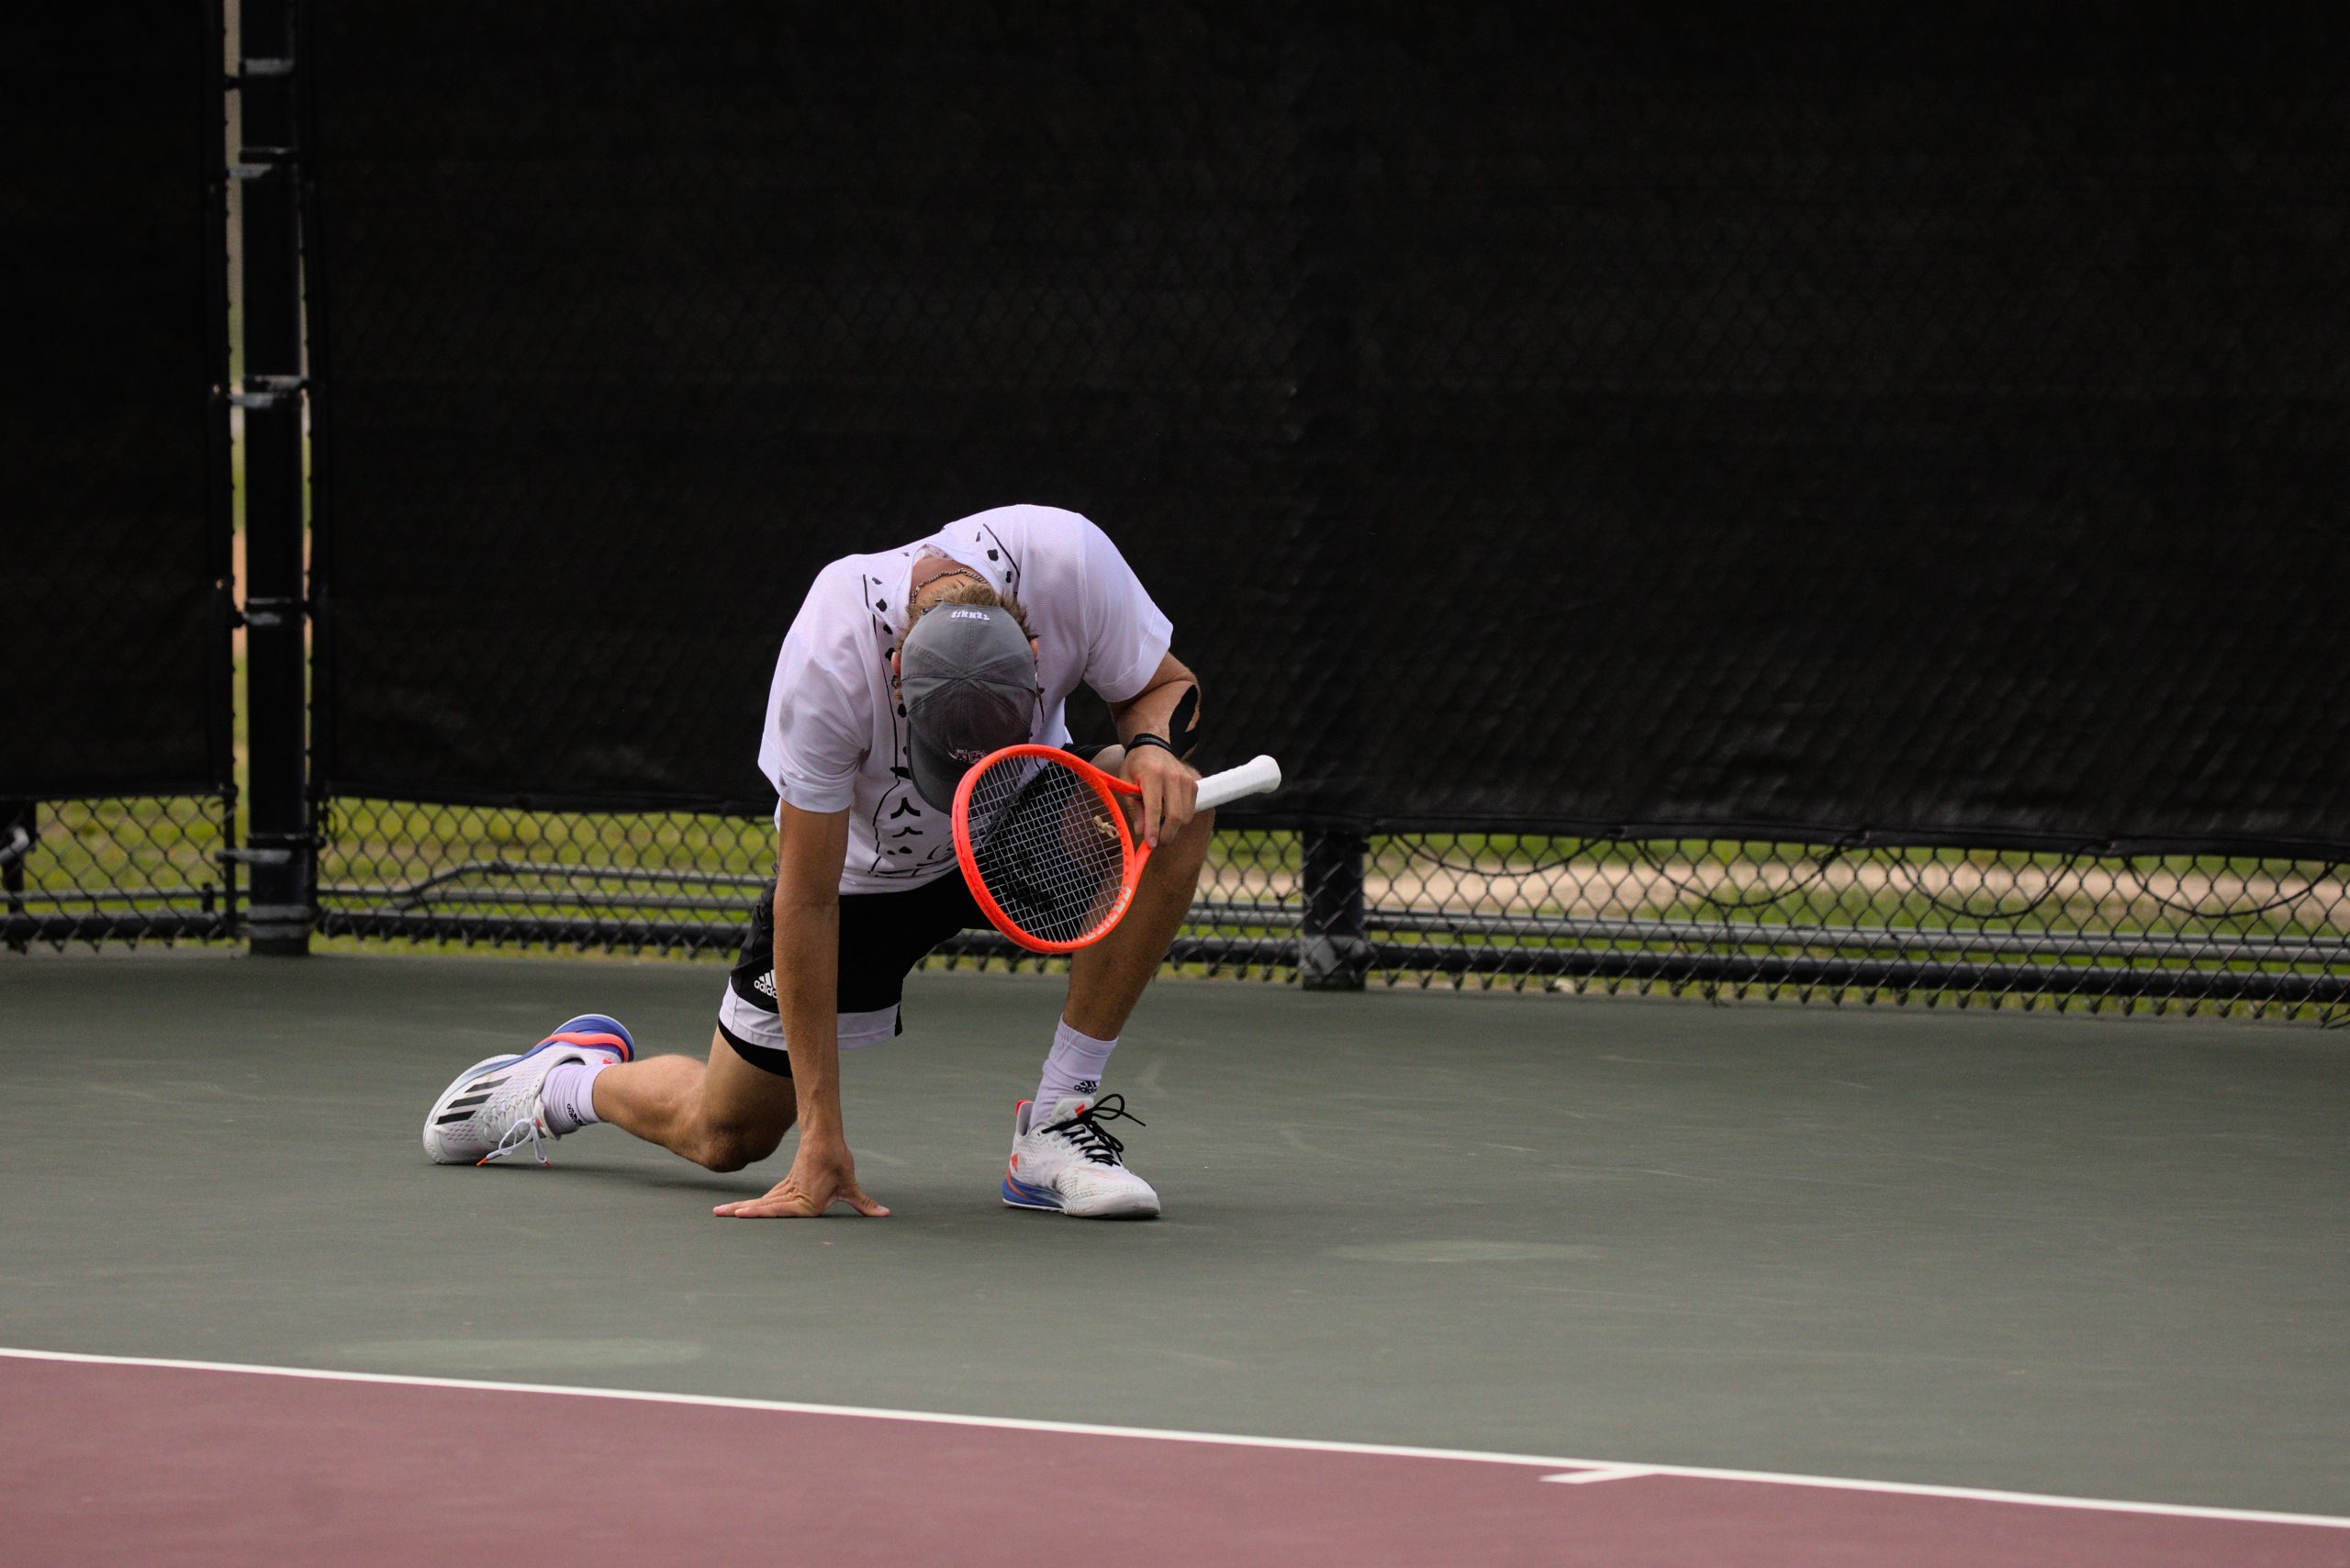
568, 1096
1073, 1068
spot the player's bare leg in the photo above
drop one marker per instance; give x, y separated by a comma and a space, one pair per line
1063, 1160
1107, 979
724, 1114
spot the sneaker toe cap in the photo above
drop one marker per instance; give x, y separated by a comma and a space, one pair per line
1123, 1195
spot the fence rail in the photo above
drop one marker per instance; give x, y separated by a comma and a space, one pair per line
1721, 918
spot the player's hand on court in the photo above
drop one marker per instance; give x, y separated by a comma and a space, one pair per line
1170, 792
821, 1176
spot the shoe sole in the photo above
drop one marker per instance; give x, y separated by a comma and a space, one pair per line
465, 1081
1021, 1195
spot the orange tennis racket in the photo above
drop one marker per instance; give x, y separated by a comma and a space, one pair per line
1045, 844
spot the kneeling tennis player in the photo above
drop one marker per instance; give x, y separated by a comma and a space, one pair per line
902, 669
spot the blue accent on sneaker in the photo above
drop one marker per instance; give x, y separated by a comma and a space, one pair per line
597, 1023
1021, 1195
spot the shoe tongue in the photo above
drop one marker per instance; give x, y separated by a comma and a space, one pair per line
1067, 1105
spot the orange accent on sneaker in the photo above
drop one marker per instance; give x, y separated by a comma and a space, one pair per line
602, 1042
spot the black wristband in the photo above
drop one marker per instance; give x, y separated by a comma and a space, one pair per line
1147, 738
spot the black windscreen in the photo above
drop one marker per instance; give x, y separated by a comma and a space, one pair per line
1931, 427
114, 641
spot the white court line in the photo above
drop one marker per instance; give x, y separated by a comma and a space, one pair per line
1963, 1493
1584, 1470
1604, 1472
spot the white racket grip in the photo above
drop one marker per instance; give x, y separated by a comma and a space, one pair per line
1257, 775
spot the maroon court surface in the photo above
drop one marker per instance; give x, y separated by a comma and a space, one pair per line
104, 1462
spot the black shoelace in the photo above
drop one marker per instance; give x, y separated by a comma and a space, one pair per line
1101, 1147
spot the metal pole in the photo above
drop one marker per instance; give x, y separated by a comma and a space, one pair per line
277, 840
1331, 453
18, 833
1333, 955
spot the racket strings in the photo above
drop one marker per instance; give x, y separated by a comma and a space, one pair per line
1046, 846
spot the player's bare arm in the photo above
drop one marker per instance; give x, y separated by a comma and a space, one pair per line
811, 848
1166, 710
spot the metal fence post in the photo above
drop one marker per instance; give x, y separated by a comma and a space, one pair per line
1333, 955
18, 833
277, 841
1328, 408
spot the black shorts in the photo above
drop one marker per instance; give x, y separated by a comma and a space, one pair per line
883, 936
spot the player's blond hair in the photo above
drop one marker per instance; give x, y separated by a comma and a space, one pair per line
965, 588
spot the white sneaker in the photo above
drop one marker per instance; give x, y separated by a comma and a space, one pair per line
492, 1107
1063, 1160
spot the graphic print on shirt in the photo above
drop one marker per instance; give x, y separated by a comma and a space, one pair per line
1002, 561
911, 838
904, 843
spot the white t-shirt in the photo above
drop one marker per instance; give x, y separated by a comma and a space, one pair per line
835, 735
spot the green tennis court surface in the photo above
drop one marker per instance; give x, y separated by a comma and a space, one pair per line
2101, 1258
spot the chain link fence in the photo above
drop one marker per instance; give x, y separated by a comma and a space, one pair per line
141, 868
1717, 919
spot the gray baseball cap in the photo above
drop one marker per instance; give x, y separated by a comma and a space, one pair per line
969, 681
